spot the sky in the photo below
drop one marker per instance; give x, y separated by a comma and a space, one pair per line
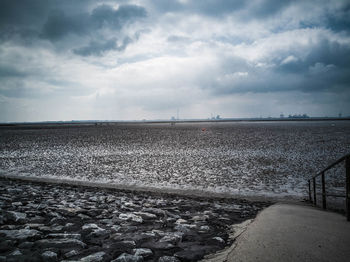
132, 60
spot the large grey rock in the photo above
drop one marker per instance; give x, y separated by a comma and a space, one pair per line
64, 235
93, 198
182, 228
116, 228
144, 252
14, 190
57, 220
168, 259
71, 254
204, 229
68, 226
108, 222
54, 228
36, 219
130, 217
219, 239
99, 233
158, 245
71, 212
83, 217
6, 245
60, 243
110, 199
128, 258
26, 245
20, 234
153, 210
130, 204
96, 230
16, 253
91, 227
96, 257
146, 215
181, 221
200, 218
16, 216
33, 225
49, 256
173, 238
8, 227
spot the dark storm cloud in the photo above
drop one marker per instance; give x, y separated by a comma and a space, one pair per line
54, 20
325, 52
217, 8
207, 7
326, 67
337, 20
26, 18
59, 24
264, 8
21, 18
98, 48
340, 19
10, 71
18, 12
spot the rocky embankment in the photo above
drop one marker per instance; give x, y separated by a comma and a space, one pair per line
46, 222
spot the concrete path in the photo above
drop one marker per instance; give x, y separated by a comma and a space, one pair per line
292, 232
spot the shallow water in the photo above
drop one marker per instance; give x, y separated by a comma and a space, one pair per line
245, 158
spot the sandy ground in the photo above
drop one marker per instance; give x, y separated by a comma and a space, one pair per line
243, 158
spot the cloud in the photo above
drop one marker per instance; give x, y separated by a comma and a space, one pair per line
99, 48
10, 72
256, 9
67, 24
104, 15
127, 59
17, 12
59, 24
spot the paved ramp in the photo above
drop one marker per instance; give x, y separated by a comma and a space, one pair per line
292, 232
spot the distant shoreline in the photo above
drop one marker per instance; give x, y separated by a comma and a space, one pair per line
107, 122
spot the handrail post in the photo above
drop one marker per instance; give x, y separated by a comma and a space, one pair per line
310, 191
314, 186
347, 170
324, 198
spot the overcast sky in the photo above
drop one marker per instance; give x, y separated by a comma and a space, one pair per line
120, 60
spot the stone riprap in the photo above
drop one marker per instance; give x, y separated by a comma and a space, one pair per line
46, 222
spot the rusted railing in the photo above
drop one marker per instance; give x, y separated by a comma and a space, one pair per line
313, 199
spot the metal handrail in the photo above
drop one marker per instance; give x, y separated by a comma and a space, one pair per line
313, 199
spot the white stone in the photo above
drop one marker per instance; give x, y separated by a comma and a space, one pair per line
219, 239
16, 216
130, 216
96, 257
181, 221
128, 258
49, 255
20, 233
90, 226
145, 215
144, 252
